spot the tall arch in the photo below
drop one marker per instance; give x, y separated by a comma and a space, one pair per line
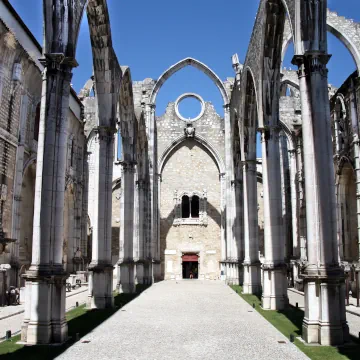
196, 64
214, 154
345, 30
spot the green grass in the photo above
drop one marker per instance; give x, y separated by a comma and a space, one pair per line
80, 320
289, 321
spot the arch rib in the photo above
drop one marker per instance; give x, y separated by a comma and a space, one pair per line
196, 64
214, 154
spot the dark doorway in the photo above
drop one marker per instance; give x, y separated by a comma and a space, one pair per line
190, 266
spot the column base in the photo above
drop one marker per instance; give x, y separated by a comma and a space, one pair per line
325, 314
44, 320
100, 287
252, 278
126, 284
139, 273
274, 296
156, 266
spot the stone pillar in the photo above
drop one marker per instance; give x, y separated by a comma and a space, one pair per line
252, 275
356, 141
274, 296
126, 276
231, 250
153, 231
16, 216
140, 264
44, 319
301, 197
294, 203
222, 206
100, 268
325, 317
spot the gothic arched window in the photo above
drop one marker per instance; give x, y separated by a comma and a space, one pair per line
185, 207
195, 206
190, 208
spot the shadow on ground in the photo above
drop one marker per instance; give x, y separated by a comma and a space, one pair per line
289, 321
80, 321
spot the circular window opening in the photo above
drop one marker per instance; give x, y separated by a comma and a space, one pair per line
189, 107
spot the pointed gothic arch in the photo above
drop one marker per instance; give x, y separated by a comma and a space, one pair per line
345, 30
202, 141
196, 64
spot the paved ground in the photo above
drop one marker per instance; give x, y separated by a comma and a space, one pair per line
13, 323
352, 312
185, 320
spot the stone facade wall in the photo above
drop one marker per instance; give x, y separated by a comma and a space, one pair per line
190, 167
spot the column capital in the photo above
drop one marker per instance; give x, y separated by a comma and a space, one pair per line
55, 61
311, 62
226, 107
292, 152
128, 166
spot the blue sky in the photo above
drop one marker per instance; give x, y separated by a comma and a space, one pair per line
150, 36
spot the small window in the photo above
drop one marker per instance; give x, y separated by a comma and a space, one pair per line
37, 123
195, 205
185, 207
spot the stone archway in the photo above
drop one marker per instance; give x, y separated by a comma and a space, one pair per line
180, 65
345, 30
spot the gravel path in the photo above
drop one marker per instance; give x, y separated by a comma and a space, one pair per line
185, 320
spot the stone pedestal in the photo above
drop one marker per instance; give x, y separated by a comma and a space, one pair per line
156, 271
140, 274
44, 318
126, 284
100, 287
252, 274
325, 318
274, 296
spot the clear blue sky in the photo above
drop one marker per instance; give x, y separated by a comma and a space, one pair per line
149, 36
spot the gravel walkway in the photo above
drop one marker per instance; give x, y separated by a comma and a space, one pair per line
185, 320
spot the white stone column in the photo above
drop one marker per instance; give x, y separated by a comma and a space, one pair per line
301, 198
44, 319
231, 250
16, 213
126, 275
101, 269
325, 317
140, 262
274, 296
252, 275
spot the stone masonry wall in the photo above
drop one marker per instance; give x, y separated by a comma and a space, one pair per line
190, 167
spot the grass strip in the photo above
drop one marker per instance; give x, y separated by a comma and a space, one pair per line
289, 321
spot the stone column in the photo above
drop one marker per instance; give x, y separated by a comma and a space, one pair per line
136, 229
294, 213
44, 319
252, 275
140, 264
356, 141
101, 268
223, 238
301, 197
16, 216
230, 198
154, 264
294, 203
325, 318
274, 296
126, 276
